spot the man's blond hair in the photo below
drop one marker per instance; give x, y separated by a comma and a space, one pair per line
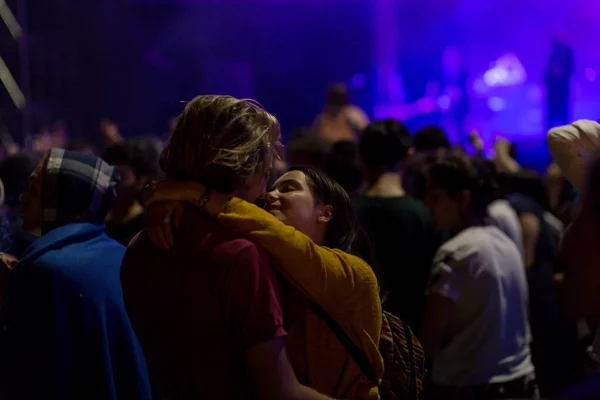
221, 142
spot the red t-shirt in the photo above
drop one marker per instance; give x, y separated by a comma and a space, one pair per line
197, 307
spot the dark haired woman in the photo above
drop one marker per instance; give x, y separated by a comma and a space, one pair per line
310, 229
475, 325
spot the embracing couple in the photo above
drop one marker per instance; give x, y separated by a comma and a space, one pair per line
232, 301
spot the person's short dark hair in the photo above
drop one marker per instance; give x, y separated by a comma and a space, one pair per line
301, 133
307, 150
342, 165
132, 155
383, 144
337, 95
14, 173
81, 146
527, 183
431, 138
151, 148
455, 173
487, 172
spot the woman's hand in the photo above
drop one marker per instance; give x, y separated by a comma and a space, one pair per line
161, 218
214, 202
9, 260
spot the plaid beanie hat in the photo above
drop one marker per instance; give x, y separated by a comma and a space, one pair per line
74, 183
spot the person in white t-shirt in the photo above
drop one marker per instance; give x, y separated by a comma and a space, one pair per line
475, 327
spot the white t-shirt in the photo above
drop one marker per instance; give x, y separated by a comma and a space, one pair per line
487, 340
506, 219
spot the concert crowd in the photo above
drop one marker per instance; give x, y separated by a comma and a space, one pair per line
359, 260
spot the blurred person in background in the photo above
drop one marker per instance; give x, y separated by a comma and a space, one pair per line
136, 168
430, 138
342, 165
477, 300
402, 230
14, 175
427, 142
550, 333
448, 89
151, 147
82, 146
306, 148
520, 209
217, 330
557, 81
562, 196
66, 334
59, 134
500, 211
110, 133
574, 148
340, 119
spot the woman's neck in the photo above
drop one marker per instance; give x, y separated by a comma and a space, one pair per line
386, 184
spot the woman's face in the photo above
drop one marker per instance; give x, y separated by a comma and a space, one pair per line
446, 210
292, 202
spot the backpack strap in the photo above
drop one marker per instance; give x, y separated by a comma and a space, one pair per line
412, 389
355, 352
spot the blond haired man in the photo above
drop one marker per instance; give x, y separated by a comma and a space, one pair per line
211, 323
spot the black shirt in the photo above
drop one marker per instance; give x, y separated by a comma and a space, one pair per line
405, 240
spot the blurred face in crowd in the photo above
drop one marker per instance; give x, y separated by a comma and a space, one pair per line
31, 202
291, 201
447, 211
130, 185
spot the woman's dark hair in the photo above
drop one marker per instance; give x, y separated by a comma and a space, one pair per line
455, 173
344, 232
527, 183
430, 138
487, 171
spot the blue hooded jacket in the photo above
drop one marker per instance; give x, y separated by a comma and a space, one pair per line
65, 333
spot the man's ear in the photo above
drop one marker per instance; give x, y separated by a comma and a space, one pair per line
325, 215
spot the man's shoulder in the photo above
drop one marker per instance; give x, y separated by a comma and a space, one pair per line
460, 247
202, 235
241, 249
76, 262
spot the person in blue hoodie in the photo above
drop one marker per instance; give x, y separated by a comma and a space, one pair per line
64, 331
